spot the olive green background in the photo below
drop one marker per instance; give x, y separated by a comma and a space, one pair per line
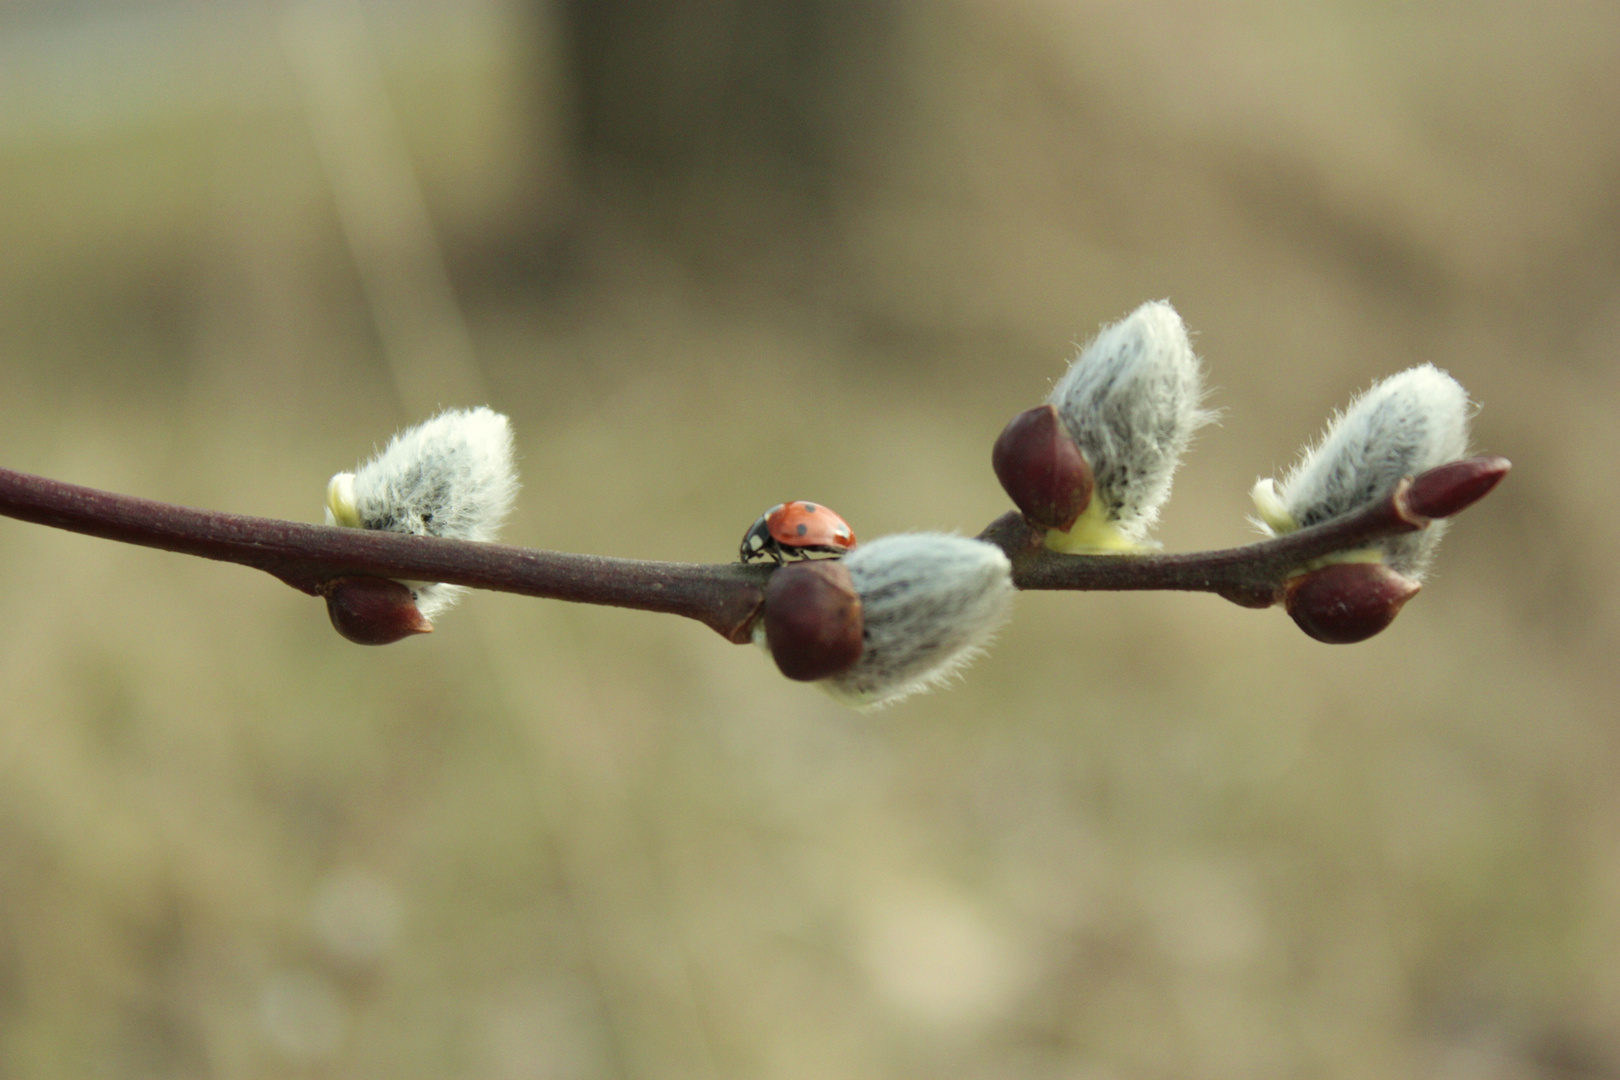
713, 256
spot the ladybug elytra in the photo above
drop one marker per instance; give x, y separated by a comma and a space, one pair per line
791, 531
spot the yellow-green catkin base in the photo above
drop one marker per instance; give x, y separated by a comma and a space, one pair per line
1276, 517
1093, 534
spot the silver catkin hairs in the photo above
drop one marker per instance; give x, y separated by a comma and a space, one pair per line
931, 603
1132, 400
1402, 426
451, 476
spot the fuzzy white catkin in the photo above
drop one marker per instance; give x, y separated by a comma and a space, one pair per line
1404, 425
930, 603
450, 476
1131, 400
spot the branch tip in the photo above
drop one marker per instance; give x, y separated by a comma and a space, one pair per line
1452, 488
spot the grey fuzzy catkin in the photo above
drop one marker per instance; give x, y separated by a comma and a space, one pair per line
1404, 425
1132, 401
450, 476
930, 603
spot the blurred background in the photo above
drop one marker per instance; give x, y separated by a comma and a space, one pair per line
710, 255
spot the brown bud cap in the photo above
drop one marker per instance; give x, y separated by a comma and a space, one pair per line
813, 619
373, 611
1043, 469
1454, 487
1343, 603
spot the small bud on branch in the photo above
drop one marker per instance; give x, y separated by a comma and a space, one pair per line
812, 620
1343, 603
1042, 469
373, 611
1450, 489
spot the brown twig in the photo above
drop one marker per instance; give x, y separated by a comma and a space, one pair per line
725, 597
1253, 575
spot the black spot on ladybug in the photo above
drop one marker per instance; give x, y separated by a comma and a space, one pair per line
809, 508
802, 529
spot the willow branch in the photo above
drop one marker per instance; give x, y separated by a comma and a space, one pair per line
1253, 575
725, 597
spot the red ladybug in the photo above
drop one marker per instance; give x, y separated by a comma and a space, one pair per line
797, 530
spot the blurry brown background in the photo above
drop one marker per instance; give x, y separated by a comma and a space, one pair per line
708, 256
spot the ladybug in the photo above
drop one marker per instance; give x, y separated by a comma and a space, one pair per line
797, 530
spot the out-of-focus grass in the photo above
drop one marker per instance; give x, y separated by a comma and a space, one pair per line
1148, 836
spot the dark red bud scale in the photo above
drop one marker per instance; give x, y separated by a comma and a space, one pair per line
1449, 489
813, 620
1343, 603
373, 611
1042, 469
